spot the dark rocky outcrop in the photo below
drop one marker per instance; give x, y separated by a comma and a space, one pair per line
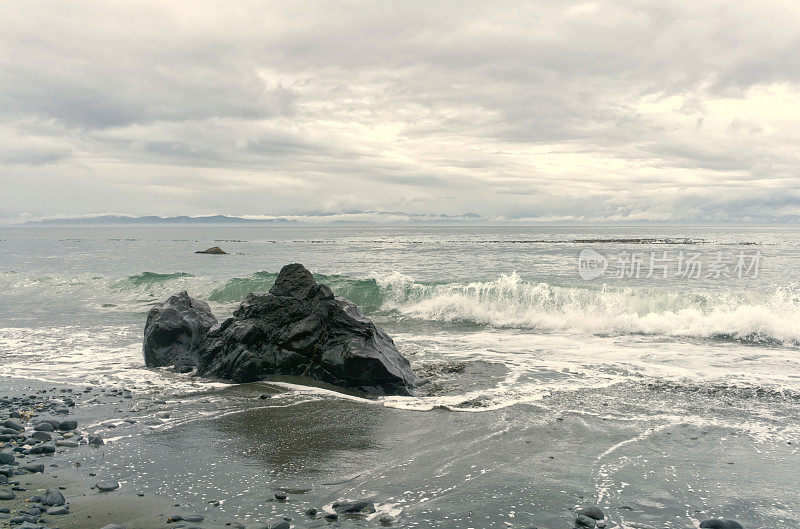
300, 328
214, 250
174, 331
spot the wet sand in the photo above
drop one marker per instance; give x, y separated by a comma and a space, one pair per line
225, 452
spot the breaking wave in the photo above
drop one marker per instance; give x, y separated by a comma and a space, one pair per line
505, 301
508, 301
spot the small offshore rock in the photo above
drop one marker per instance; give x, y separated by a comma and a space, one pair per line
107, 486
719, 523
214, 250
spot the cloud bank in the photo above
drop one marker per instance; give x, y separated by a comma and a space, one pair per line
548, 110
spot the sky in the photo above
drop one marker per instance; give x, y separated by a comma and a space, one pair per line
539, 111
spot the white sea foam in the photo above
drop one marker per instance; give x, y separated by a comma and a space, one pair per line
508, 301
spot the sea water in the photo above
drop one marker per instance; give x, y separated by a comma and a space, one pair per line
665, 394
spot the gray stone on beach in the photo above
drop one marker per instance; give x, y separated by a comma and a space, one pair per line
283, 524
107, 486
44, 427
95, 440
593, 512
55, 511
386, 519
584, 521
66, 426
67, 444
34, 467
6, 458
280, 496
6, 495
52, 498
354, 506
194, 518
113, 526
718, 523
13, 425
42, 449
42, 436
25, 518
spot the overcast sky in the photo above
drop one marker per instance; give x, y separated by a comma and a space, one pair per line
546, 110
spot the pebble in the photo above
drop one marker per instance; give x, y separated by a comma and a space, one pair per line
283, 524
718, 523
6, 458
593, 512
584, 521
113, 526
66, 426
357, 506
43, 449
52, 498
386, 519
6, 495
62, 509
193, 518
106, 486
44, 427
14, 425
280, 496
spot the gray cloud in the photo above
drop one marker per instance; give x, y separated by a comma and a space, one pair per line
551, 109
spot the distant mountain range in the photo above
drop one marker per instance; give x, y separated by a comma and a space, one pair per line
106, 220
350, 217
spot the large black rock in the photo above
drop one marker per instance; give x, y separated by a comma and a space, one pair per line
174, 331
300, 328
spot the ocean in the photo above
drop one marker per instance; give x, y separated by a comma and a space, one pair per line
653, 371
